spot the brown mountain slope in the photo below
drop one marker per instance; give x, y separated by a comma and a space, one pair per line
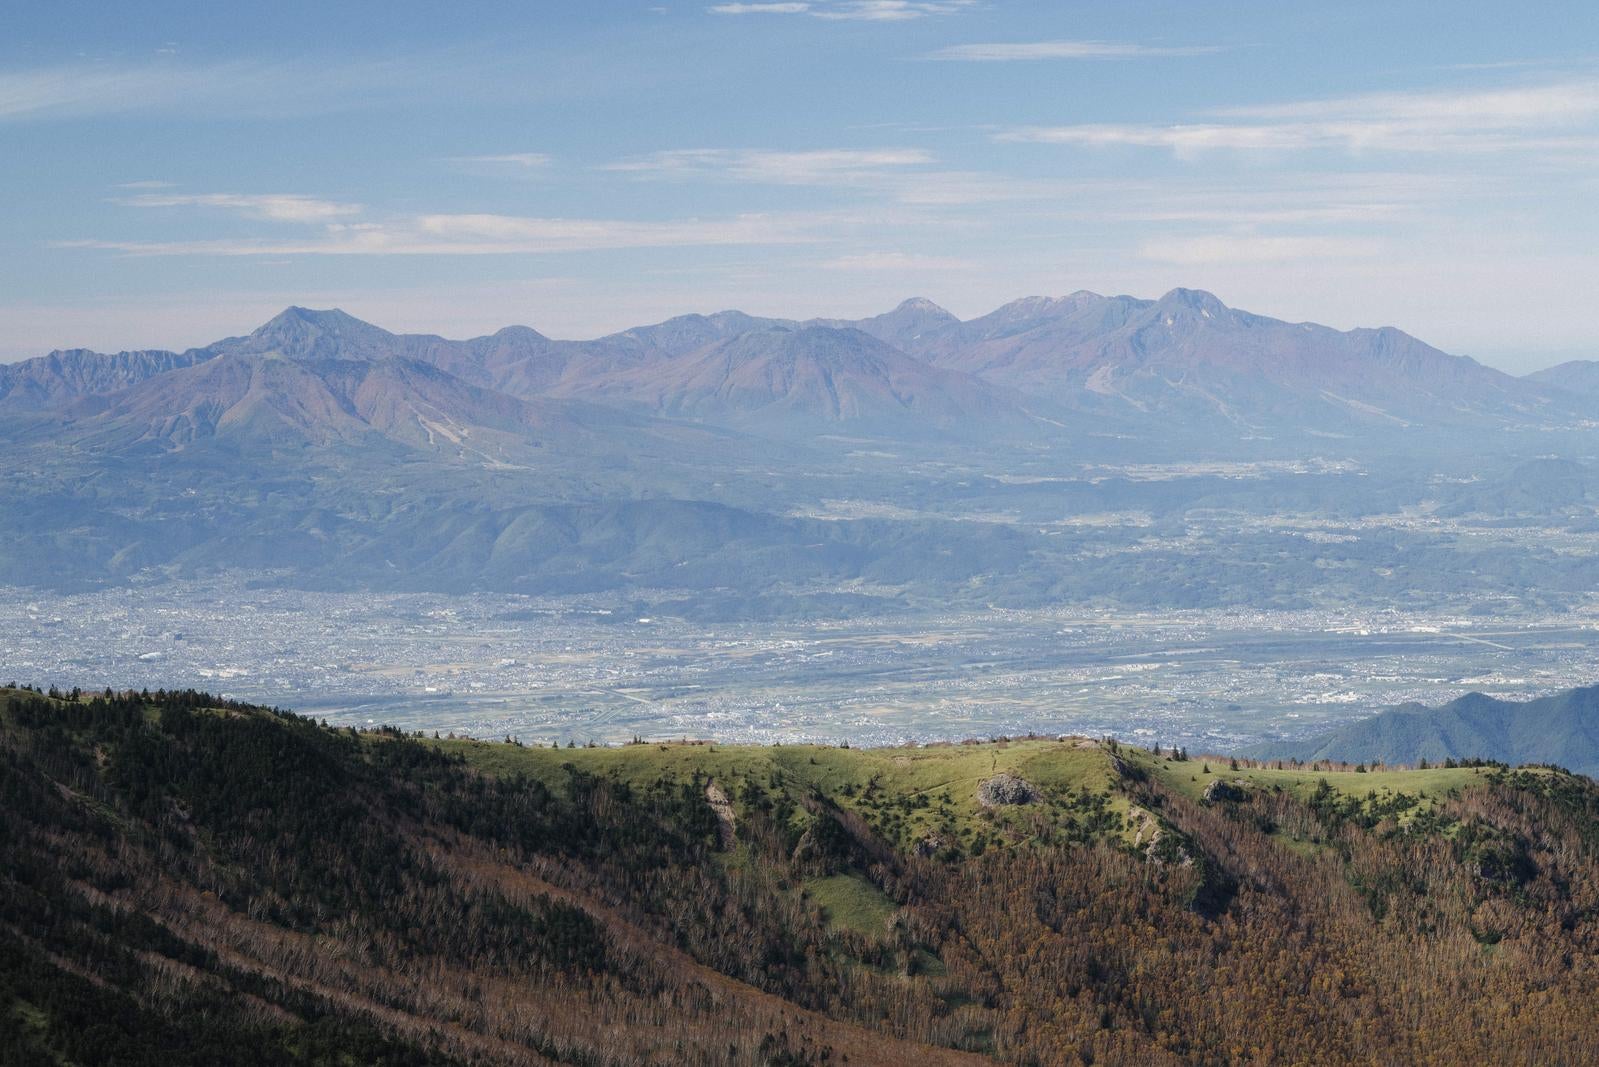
64, 376
806, 374
264, 404
1189, 354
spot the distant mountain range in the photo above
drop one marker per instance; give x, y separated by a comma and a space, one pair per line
910, 454
1189, 355
264, 402
1577, 376
1185, 362
762, 378
68, 374
1562, 729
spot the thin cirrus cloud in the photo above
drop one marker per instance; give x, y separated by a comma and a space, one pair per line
849, 10
1548, 117
244, 87
760, 9
275, 207
1023, 51
1226, 249
488, 234
1279, 198
904, 174
509, 160
814, 167
897, 262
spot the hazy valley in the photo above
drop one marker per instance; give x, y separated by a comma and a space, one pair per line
899, 527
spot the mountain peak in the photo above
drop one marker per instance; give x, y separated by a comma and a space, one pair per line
295, 317
309, 333
922, 306
1195, 299
518, 333
1035, 308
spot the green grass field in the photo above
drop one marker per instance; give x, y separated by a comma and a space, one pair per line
914, 795
909, 792
851, 902
1431, 784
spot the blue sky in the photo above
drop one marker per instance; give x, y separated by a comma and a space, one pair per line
176, 172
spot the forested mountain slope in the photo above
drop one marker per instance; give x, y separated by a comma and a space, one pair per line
184, 880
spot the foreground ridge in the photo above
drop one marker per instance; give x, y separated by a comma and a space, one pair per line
192, 880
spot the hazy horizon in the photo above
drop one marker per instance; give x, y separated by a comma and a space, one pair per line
1526, 366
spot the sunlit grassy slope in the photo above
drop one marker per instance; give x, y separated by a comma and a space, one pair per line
1431, 784
907, 794
914, 795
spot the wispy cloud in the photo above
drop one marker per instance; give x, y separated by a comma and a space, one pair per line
487, 234
897, 263
761, 9
849, 10
954, 188
509, 160
276, 207
1266, 198
1500, 108
1215, 249
1548, 117
908, 175
820, 166
1008, 52
891, 10
75, 90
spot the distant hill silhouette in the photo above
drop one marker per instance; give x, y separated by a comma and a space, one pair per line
1185, 363
1562, 729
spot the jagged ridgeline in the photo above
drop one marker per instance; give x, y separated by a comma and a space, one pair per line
891, 462
185, 880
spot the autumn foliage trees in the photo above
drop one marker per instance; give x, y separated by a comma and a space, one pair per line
187, 881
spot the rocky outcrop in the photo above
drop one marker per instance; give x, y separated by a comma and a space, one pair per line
1220, 790
1158, 842
726, 825
805, 848
1005, 789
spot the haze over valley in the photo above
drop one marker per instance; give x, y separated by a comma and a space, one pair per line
1164, 518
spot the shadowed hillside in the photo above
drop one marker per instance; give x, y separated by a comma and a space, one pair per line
1562, 729
185, 880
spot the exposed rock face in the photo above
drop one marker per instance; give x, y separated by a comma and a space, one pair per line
1005, 789
1159, 844
805, 848
1220, 790
726, 826
1124, 769
1146, 828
